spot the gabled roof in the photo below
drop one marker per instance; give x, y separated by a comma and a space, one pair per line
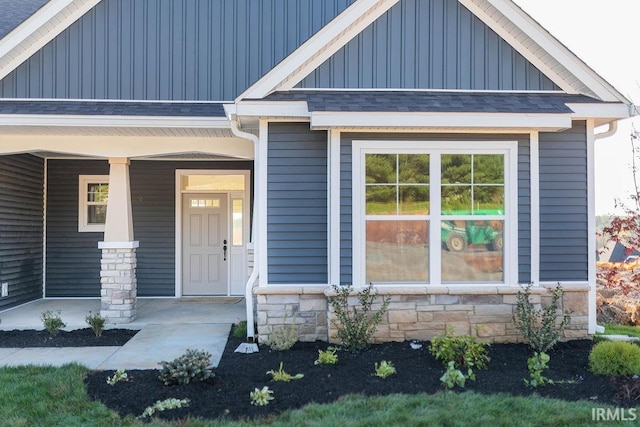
15, 12
528, 37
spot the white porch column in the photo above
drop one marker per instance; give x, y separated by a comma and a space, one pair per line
118, 265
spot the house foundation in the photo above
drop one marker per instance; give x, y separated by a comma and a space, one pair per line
118, 284
418, 313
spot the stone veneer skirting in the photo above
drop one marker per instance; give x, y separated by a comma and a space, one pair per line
416, 312
118, 283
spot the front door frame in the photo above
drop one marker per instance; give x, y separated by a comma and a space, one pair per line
178, 209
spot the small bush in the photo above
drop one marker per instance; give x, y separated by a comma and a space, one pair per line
281, 375
240, 330
52, 322
193, 365
463, 351
356, 324
328, 357
261, 397
537, 364
540, 328
615, 358
163, 405
96, 322
119, 375
384, 369
283, 337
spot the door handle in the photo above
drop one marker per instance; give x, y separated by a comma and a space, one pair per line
224, 249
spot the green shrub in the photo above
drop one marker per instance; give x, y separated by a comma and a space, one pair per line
240, 330
193, 365
615, 358
384, 369
281, 375
540, 328
328, 357
537, 364
283, 337
357, 324
163, 405
96, 322
463, 351
52, 322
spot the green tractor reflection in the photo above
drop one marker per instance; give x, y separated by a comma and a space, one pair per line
456, 238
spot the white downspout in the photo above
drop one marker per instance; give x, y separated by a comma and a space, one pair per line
613, 128
248, 293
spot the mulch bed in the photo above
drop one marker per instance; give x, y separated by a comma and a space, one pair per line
76, 338
227, 394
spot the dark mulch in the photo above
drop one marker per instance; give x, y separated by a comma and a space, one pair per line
227, 394
76, 338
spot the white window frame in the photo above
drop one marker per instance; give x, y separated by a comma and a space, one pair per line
83, 204
436, 148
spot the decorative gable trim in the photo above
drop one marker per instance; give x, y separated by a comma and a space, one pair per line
38, 30
543, 50
508, 20
291, 70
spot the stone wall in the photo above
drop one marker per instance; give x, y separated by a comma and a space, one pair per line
118, 293
417, 313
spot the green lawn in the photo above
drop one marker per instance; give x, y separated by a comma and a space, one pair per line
613, 329
37, 396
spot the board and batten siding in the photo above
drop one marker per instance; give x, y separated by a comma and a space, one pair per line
21, 227
73, 258
169, 49
297, 205
346, 211
428, 44
564, 228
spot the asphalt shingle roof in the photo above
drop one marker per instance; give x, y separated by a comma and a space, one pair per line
102, 108
432, 101
14, 12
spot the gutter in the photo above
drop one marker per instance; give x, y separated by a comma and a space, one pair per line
250, 346
613, 128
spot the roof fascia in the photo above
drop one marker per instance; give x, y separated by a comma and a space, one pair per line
38, 30
542, 39
312, 53
57, 120
545, 122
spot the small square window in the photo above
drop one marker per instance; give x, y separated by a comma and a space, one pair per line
93, 193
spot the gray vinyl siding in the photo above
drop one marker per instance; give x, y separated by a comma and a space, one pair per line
428, 44
73, 258
346, 211
297, 205
21, 227
564, 216
169, 49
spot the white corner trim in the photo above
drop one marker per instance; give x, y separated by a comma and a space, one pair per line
534, 220
38, 30
56, 120
318, 48
262, 157
591, 225
549, 122
538, 43
333, 137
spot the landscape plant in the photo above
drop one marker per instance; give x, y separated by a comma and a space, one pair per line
327, 357
615, 358
283, 337
52, 322
96, 322
356, 323
281, 375
384, 369
459, 353
118, 375
240, 329
193, 365
540, 327
164, 405
261, 397
537, 364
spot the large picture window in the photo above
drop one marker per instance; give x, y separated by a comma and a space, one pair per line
93, 193
427, 213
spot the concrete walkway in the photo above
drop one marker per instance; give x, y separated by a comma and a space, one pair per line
168, 327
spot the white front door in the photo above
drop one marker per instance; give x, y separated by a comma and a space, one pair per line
205, 244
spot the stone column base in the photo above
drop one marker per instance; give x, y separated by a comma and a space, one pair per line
118, 284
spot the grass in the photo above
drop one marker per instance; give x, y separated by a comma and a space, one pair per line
56, 397
613, 329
